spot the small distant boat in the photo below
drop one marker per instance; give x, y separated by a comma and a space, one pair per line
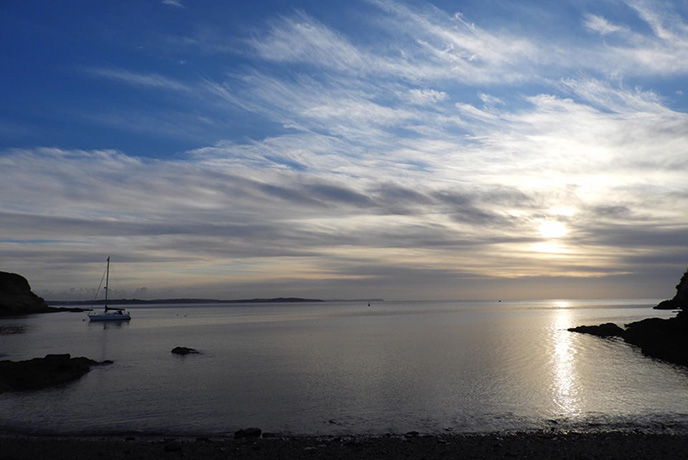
109, 313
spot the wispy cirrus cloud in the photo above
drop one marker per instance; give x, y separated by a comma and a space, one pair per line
443, 46
175, 3
636, 52
425, 96
601, 25
145, 80
300, 38
440, 47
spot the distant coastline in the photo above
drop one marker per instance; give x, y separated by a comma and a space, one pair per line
178, 301
200, 301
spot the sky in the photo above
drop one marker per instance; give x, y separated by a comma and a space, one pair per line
476, 149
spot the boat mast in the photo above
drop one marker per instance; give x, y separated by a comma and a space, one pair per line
107, 281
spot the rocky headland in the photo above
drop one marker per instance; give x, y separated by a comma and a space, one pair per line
680, 300
665, 339
16, 297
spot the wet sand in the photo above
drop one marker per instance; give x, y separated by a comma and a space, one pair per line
616, 445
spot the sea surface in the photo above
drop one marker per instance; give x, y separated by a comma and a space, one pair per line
348, 368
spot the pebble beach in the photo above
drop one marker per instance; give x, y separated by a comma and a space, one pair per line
534, 445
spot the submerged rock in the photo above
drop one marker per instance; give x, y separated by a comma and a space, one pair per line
185, 351
40, 373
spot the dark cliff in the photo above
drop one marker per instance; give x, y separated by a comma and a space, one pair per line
16, 297
680, 300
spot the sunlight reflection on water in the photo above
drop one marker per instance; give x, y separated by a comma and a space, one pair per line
565, 377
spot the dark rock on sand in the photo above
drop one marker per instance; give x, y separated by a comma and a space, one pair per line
185, 351
171, 446
603, 330
16, 297
248, 433
39, 373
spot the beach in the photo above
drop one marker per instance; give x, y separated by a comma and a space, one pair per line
532, 445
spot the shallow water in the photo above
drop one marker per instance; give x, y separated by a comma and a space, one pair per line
339, 367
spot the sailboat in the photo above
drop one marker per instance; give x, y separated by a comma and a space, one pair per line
109, 313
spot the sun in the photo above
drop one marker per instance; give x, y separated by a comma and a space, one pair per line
553, 229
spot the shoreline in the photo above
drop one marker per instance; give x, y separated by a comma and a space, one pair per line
531, 445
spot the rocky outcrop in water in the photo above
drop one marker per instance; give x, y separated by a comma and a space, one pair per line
39, 373
665, 339
16, 297
185, 351
603, 330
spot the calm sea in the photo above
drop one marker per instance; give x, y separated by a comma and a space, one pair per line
345, 367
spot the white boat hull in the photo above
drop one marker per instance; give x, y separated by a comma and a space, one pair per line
117, 316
